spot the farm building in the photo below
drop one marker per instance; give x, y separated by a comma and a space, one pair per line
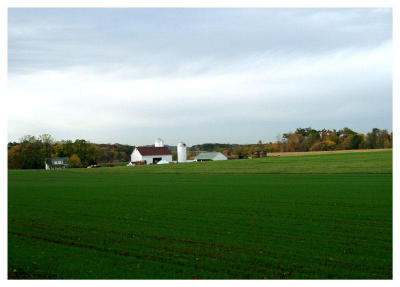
152, 155
56, 162
181, 150
258, 154
207, 156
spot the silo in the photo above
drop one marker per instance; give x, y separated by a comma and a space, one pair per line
181, 152
159, 142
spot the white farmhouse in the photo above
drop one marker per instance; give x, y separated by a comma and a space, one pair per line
152, 155
56, 162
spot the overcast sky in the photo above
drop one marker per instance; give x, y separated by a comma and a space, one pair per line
197, 75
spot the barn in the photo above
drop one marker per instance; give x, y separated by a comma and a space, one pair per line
152, 154
208, 156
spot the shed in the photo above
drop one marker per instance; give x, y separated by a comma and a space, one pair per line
208, 156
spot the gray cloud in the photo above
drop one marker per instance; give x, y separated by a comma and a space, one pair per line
164, 39
230, 75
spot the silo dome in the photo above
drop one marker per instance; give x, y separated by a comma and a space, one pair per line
159, 142
181, 152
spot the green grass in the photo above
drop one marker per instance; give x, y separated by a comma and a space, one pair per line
320, 216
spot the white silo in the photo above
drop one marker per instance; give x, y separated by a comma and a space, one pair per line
181, 152
159, 142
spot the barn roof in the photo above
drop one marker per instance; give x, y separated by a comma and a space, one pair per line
151, 150
207, 155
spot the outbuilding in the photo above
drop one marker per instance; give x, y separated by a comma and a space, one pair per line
208, 156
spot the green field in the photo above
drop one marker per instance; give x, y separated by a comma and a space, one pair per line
315, 216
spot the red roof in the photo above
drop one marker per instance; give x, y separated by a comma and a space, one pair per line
151, 150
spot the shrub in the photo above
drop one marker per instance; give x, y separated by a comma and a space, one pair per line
74, 161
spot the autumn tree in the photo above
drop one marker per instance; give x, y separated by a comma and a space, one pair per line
59, 150
74, 161
333, 137
30, 153
378, 139
87, 152
68, 147
47, 143
239, 151
13, 157
325, 145
382, 137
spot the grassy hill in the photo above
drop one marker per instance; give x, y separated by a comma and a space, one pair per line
317, 216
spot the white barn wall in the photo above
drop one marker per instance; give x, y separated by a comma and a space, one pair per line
136, 156
149, 158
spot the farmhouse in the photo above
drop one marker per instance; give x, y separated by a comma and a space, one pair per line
56, 162
152, 154
207, 156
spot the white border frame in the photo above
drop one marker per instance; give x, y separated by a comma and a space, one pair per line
394, 4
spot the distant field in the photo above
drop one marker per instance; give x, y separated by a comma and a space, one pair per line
325, 152
315, 216
377, 162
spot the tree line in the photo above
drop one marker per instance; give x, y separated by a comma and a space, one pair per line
30, 152
305, 139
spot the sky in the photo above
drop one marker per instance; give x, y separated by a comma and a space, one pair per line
199, 75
